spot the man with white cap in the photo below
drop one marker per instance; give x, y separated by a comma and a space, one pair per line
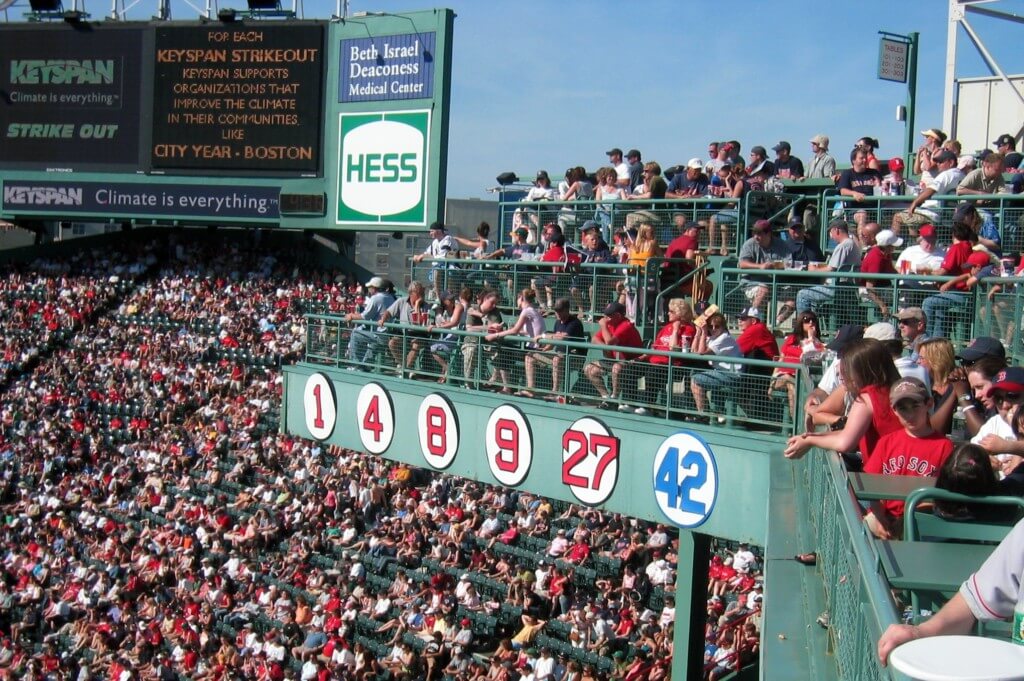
691, 183
878, 260
361, 343
823, 166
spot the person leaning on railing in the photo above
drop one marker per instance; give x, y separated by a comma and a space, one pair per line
615, 330
412, 310
530, 323
945, 182
451, 315
868, 371
991, 593
567, 327
483, 317
362, 341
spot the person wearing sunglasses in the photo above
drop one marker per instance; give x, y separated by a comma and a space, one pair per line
996, 436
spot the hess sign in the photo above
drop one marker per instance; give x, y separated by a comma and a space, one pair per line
892, 59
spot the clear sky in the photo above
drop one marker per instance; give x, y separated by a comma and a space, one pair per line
545, 84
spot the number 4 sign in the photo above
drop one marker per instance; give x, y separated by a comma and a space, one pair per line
375, 417
685, 479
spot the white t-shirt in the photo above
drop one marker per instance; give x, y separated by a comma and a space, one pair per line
726, 346
918, 258
622, 171
944, 183
994, 426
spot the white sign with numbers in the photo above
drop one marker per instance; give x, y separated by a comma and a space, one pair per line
320, 405
892, 59
439, 430
509, 445
685, 479
375, 418
590, 460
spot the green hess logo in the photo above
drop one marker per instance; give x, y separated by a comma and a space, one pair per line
382, 176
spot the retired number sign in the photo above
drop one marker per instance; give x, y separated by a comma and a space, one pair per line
509, 445
439, 430
590, 460
685, 479
321, 408
375, 418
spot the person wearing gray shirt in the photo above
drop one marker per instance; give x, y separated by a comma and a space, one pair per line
361, 343
845, 258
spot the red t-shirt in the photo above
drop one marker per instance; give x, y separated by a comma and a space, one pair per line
663, 338
757, 338
883, 420
900, 453
955, 262
625, 335
876, 261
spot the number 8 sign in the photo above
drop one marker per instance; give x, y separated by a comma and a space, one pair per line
685, 479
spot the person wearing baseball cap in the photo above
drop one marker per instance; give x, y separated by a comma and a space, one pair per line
636, 168
1006, 393
362, 341
981, 347
787, 166
616, 331
1007, 146
916, 449
913, 323
762, 251
845, 258
954, 294
619, 166
759, 164
923, 257
823, 166
924, 209
923, 161
692, 183
878, 260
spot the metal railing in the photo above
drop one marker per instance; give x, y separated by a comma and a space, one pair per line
857, 595
993, 307
588, 287
660, 383
615, 216
1005, 210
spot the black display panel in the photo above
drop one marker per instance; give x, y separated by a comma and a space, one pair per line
240, 99
70, 97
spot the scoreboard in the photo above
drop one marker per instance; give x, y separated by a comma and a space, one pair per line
301, 124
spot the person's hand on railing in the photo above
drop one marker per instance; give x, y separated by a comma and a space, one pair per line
877, 527
798, 445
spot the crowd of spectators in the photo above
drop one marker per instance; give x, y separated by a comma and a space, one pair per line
158, 525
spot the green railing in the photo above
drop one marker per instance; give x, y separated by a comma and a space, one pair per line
588, 287
566, 372
614, 216
1007, 211
857, 595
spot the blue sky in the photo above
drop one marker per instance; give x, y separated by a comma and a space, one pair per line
555, 84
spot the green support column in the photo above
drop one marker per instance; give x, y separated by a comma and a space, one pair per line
691, 606
908, 138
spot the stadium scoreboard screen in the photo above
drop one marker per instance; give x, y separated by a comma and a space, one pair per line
305, 124
237, 98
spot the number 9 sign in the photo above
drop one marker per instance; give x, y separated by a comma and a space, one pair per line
685, 479
509, 445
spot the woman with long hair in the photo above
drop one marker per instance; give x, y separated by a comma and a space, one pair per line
804, 339
868, 371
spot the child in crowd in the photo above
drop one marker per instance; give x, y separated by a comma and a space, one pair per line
915, 449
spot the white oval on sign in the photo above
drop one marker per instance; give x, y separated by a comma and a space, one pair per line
382, 168
438, 427
509, 445
685, 479
375, 418
321, 410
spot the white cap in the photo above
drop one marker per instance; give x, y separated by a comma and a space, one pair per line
750, 312
888, 238
695, 163
376, 282
880, 331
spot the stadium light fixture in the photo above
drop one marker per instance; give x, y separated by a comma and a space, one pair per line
227, 15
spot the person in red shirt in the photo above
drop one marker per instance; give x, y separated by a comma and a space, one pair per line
756, 340
616, 330
917, 449
961, 261
878, 260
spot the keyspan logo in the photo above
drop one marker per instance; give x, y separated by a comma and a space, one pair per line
15, 195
